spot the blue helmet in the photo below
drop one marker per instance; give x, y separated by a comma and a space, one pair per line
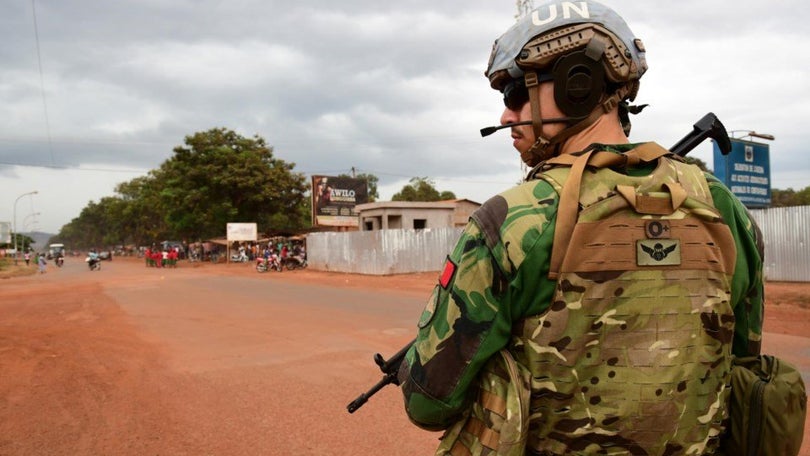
558, 28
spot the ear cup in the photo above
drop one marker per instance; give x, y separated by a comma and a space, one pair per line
579, 83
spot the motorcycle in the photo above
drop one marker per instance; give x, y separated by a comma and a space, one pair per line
295, 262
263, 265
60, 261
93, 263
239, 258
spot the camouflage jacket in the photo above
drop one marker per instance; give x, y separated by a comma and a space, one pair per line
483, 291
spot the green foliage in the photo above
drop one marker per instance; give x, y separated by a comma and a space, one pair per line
803, 197
24, 242
422, 189
222, 177
218, 177
790, 197
371, 181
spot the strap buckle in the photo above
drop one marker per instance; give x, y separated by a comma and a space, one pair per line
531, 79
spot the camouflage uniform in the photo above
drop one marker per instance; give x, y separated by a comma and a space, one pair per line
508, 358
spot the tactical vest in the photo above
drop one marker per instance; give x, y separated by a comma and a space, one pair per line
633, 354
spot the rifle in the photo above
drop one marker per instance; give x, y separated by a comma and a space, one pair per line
709, 126
389, 369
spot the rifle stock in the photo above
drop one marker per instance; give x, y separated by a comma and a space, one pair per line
709, 126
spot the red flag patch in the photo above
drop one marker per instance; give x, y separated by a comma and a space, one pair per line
448, 273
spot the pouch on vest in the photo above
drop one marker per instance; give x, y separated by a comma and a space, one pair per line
497, 423
767, 408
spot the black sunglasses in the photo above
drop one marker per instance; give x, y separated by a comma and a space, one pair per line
515, 93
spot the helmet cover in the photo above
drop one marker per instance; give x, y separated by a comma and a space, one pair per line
510, 53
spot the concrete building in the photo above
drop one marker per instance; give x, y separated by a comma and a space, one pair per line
392, 215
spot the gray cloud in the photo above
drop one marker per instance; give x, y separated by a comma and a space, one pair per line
391, 88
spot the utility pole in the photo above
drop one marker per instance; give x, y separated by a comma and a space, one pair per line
524, 7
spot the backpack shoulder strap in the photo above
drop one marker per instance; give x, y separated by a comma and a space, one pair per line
569, 197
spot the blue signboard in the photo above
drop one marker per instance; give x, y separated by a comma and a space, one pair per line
746, 171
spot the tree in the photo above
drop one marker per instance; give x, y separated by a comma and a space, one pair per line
421, 189
803, 197
790, 197
216, 178
222, 177
371, 181
141, 214
782, 198
99, 225
24, 242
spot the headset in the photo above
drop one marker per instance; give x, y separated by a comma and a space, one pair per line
579, 83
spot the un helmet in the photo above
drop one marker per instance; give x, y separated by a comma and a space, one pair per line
585, 47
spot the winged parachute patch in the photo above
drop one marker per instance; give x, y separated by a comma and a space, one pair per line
658, 252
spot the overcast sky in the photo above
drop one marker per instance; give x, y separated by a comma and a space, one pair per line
94, 93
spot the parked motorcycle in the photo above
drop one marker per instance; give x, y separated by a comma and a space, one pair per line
239, 258
292, 262
93, 263
263, 265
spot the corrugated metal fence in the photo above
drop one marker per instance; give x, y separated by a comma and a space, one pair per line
787, 250
381, 252
785, 229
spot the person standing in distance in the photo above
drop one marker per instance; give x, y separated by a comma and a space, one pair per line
42, 263
594, 308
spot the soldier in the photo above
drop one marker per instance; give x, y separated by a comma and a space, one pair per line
595, 308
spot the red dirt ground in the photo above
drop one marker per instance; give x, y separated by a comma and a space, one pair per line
85, 370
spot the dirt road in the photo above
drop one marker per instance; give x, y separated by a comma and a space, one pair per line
221, 360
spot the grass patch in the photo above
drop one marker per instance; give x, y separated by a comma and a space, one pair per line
8, 269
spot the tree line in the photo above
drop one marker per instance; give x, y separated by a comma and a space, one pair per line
216, 177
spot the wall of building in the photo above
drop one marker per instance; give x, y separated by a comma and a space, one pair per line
787, 248
382, 252
464, 209
403, 218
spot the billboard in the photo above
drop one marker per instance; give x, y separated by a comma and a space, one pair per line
241, 232
746, 170
334, 199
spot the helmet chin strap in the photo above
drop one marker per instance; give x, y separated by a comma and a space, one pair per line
541, 150
545, 148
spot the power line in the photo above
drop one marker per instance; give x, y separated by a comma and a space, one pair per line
42, 82
524, 7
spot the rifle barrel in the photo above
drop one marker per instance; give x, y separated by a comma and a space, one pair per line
389, 368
